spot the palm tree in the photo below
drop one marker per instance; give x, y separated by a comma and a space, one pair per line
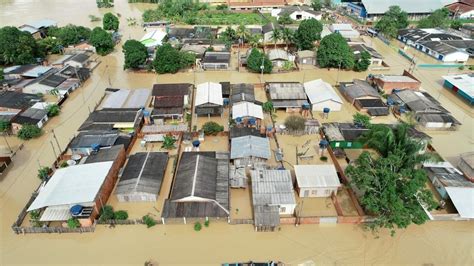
287, 36
276, 35
242, 33
254, 40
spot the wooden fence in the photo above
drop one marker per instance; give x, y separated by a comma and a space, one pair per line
241, 221
60, 230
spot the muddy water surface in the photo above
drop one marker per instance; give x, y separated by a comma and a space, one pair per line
436, 243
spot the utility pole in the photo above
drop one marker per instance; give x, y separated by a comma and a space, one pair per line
261, 69
54, 151
338, 70
8, 144
56, 139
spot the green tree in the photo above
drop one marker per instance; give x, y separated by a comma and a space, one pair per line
110, 22
18, 47
28, 131
73, 223
267, 106
70, 34
285, 19
456, 24
288, 36
197, 226
212, 128
316, 5
121, 215
438, 19
149, 221
106, 213
295, 122
394, 189
393, 20
255, 40
35, 216
53, 110
334, 51
168, 142
135, 54
361, 119
4, 125
363, 63
105, 3
102, 41
308, 32
242, 33
43, 172
254, 62
51, 45
2, 77
168, 59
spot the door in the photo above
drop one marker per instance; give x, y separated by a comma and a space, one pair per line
306, 193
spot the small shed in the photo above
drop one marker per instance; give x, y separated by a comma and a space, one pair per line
279, 56
216, 61
153, 38
142, 177
209, 99
169, 100
322, 95
32, 116
247, 150
242, 92
306, 57
319, 180
364, 97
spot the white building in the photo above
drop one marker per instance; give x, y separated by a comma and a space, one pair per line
153, 38
322, 95
316, 180
247, 109
345, 30
208, 99
297, 13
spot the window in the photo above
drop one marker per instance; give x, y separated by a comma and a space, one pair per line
314, 192
327, 192
337, 144
349, 144
282, 209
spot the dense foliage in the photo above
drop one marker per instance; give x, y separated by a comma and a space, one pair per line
394, 189
334, 51
102, 41
121, 215
105, 3
149, 221
73, 223
254, 62
212, 128
393, 20
285, 19
18, 47
308, 32
43, 172
197, 226
110, 22
170, 60
267, 106
168, 142
4, 125
438, 19
316, 5
53, 110
363, 63
135, 54
361, 120
295, 123
51, 45
70, 34
106, 213
29, 131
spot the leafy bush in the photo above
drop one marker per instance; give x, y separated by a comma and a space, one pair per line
206, 223
110, 22
362, 120
4, 125
43, 172
150, 222
121, 215
170, 60
254, 62
102, 41
197, 226
29, 131
35, 216
222, 7
168, 142
212, 128
106, 213
73, 223
295, 123
287, 65
323, 158
53, 110
63, 164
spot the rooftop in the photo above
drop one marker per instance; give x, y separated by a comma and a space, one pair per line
250, 146
358, 89
216, 57
317, 176
286, 91
87, 139
421, 6
171, 89
17, 100
209, 92
272, 187
247, 109
464, 82
319, 91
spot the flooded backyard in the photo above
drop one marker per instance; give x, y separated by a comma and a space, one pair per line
435, 243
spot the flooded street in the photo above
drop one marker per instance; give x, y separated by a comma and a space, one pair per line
435, 243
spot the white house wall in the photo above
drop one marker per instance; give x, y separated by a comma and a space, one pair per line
304, 15
332, 105
37, 88
456, 57
287, 209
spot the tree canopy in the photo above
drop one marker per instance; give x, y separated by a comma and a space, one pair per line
316, 5
28, 131
170, 60
70, 34
110, 22
254, 62
4, 125
308, 32
392, 188
102, 41
51, 45
393, 20
438, 19
53, 110
135, 54
285, 19
18, 47
334, 51
363, 63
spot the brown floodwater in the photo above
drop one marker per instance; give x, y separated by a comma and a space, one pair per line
435, 243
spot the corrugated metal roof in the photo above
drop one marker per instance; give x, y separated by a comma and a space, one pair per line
286, 91
272, 187
72, 185
462, 199
316, 176
116, 99
250, 146
138, 98
319, 91
209, 92
246, 109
